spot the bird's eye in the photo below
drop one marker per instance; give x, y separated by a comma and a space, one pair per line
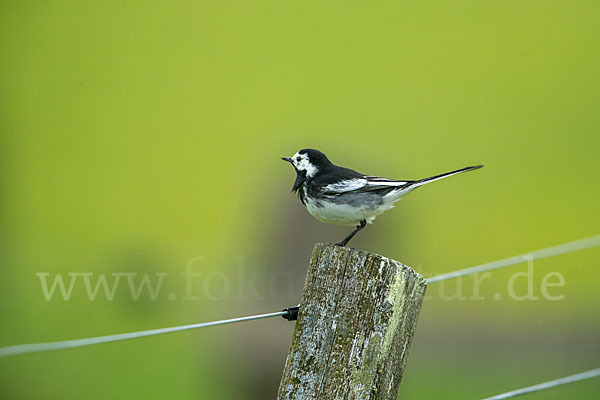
297, 159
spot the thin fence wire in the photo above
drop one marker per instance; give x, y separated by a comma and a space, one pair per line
581, 244
547, 385
68, 344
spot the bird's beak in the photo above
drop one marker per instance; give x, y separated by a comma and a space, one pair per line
288, 159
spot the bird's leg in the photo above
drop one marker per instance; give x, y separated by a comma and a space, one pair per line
344, 242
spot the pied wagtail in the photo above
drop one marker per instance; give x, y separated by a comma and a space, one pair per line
341, 196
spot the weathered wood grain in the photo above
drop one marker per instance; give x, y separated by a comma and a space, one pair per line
357, 318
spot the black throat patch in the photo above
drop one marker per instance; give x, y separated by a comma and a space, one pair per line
300, 180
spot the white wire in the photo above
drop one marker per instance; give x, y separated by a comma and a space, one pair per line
538, 254
534, 255
67, 344
547, 385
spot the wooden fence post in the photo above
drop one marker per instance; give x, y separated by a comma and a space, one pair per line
357, 318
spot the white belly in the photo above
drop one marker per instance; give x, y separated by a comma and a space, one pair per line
343, 214
362, 206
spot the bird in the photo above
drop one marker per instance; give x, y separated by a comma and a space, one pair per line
341, 196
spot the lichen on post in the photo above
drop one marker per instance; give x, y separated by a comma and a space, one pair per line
357, 318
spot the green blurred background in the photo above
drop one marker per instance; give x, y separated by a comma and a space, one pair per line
138, 135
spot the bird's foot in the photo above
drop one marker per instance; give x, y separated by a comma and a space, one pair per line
344, 242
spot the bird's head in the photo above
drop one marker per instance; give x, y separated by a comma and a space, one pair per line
307, 163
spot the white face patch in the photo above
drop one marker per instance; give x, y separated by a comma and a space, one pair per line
301, 163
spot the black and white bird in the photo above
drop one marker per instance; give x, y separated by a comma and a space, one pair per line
341, 196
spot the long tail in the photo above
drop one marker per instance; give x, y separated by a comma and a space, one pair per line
422, 182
